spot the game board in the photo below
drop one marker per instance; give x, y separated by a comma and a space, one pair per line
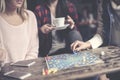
65, 61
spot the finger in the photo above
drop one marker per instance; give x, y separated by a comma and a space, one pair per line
72, 45
75, 45
48, 25
72, 26
69, 17
51, 28
80, 48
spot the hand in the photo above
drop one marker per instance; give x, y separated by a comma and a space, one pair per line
70, 21
46, 28
80, 45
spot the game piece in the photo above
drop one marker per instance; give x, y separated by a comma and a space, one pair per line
43, 71
52, 70
102, 53
84, 59
75, 52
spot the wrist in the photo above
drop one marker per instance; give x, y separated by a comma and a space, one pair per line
88, 45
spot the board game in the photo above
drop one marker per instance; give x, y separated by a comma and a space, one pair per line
65, 61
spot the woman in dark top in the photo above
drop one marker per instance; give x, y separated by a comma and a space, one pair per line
56, 41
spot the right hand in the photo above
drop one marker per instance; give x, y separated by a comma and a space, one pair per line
46, 28
80, 45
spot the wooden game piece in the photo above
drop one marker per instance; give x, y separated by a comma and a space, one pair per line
44, 72
84, 59
76, 65
102, 53
54, 70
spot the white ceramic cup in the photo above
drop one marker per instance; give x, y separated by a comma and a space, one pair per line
59, 22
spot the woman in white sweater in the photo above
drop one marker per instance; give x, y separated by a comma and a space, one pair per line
18, 31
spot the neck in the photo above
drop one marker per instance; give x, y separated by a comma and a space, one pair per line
54, 3
11, 11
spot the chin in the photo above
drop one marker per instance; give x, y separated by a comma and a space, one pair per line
19, 5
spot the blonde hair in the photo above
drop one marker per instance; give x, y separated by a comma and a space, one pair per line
20, 11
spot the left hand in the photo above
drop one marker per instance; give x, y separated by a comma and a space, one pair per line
80, 45
71, 22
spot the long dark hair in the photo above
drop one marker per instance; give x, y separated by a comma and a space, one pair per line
61, 9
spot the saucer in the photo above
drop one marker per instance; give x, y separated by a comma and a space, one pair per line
62, 27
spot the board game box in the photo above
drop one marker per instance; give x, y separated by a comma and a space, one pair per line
65, 61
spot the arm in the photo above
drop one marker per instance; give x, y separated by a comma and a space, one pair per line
34, 43
96, 40
44, 26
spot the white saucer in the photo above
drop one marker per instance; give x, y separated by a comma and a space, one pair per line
62, 27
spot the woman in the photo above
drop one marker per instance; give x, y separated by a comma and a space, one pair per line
18, 31
56, 41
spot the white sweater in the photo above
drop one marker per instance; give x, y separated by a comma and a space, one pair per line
20, 42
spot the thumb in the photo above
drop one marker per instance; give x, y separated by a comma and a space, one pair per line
68, 17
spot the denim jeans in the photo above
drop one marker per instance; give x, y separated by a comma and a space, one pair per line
70, 36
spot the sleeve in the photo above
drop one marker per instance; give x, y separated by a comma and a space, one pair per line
100, 18
96, 41
38, 15
34, 42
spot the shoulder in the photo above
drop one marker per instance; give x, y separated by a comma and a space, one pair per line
29, 13
40, 7
70, 4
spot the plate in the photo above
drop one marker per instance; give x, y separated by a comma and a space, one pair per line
62, 27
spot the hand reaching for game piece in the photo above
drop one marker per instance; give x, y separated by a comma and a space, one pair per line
80, 45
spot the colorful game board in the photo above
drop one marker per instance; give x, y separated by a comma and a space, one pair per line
65, 61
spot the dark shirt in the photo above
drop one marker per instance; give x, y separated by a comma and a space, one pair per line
109, 20
43, 16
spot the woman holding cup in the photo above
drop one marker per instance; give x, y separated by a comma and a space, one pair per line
57, 21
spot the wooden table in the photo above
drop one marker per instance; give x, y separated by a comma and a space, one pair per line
111, 58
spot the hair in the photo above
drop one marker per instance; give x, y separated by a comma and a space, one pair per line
61, 9
20, 10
